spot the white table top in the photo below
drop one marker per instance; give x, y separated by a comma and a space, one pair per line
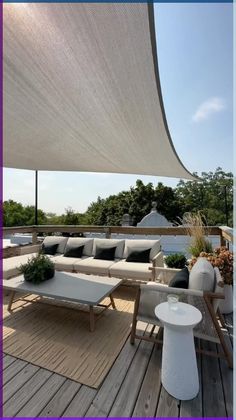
88, 289
184, 315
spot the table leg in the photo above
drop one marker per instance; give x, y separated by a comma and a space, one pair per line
11, 301
112, 302
91, 319
179, 373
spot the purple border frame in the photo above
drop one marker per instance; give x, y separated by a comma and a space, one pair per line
1, 197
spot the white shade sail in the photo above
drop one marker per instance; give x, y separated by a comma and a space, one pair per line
82, 90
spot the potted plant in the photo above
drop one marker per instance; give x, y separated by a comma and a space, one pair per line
38, 269
176, 261
195, 227
223, 259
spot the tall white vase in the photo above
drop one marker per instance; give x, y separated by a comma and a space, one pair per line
226, 304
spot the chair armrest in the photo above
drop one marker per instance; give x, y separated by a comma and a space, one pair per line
158, 260
30, 249
164, 288
163, 274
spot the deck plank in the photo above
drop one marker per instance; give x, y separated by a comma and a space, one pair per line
193, 408
227, 379
131, 388
168, 406
61, 400
127, 395
41, 398
13, 369
149, 393
25, 393
8, 360
81, 402
229, 325
18, 381
212, 390
106, 395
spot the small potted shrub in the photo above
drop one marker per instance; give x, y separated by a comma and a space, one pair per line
176, 261
38, 269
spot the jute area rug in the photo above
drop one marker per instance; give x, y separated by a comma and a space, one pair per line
57, 338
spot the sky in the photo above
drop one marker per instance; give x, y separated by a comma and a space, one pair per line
195, 58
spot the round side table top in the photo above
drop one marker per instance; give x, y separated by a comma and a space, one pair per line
182, 315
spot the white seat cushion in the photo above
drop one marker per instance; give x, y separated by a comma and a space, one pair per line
109, 243
64, 263
131, 270
140, 245
11, 265
93, 266
202, 276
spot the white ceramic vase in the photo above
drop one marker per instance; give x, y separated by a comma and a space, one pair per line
226, 304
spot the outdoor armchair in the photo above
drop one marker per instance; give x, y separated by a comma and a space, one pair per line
153, 293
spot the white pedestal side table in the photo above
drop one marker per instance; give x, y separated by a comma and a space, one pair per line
179, 374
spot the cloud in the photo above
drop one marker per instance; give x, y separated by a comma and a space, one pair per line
208, 108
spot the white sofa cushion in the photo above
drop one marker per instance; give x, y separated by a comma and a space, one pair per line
141, 244
51, 240
87, 242
11, 265
131, 270
92, 266
202, 276
63, 263
108, 243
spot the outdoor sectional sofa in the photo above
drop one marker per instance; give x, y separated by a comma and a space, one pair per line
87, 264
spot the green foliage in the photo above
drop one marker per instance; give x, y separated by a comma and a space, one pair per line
137, 202
109, 211
176, 261
208, 196
38, 269
200, 245
142, 197
15, 214
195, 226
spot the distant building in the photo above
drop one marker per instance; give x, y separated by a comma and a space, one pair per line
154, 219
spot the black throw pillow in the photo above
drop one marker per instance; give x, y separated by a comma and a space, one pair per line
74, 252
181, 279
139, 256
105, 253
49, 249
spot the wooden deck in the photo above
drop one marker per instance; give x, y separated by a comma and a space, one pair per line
132, 388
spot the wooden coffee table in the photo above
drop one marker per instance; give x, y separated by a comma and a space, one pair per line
85, 289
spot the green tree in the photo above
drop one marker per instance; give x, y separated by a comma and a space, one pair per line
137, 202
15, 214
142, 197
168, 203
208, 196
109, 211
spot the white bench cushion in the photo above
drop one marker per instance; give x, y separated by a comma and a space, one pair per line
131, 270
109, 243
11, 265
93, 266
140, 245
